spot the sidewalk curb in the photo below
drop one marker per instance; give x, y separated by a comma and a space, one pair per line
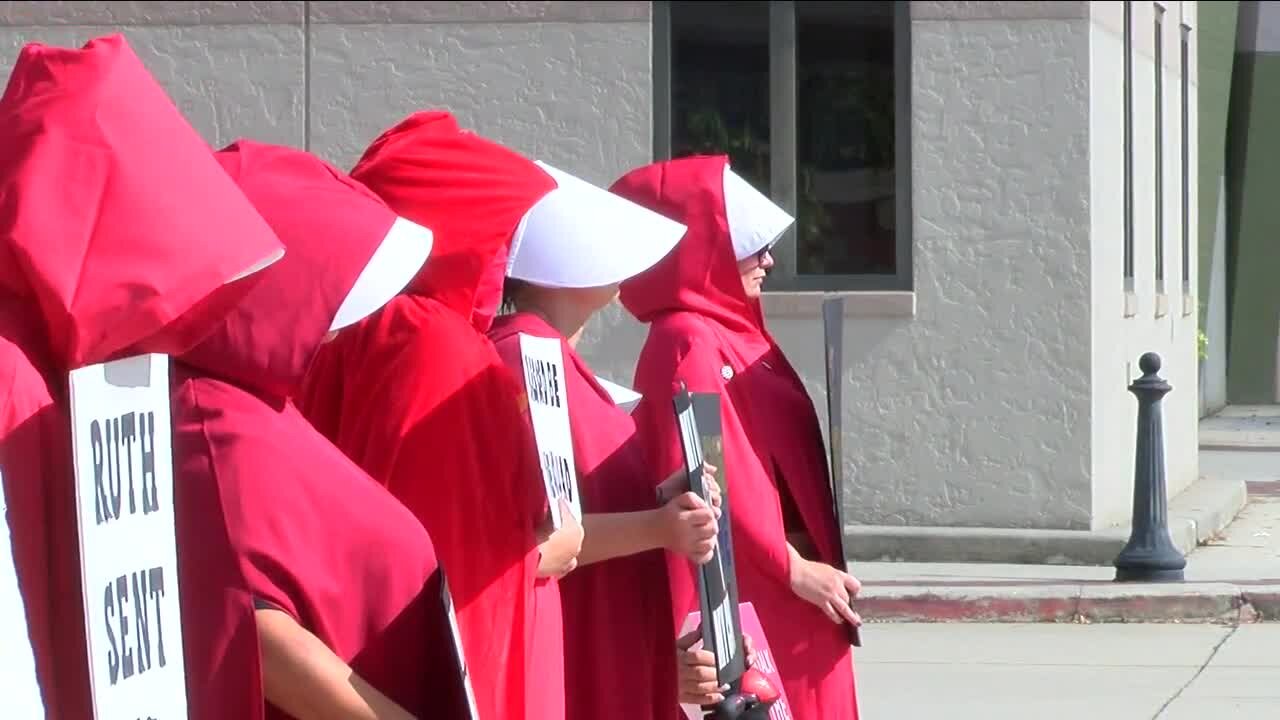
1195, 515
1057, 602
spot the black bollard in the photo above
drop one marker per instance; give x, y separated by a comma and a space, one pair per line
1150, 555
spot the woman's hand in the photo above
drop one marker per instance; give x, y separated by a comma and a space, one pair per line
826, 587
689, 527
678, 482
305, 679
559, 550
697, 670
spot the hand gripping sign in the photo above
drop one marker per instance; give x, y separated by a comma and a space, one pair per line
544, 381
122, 443
764, 663
750, 693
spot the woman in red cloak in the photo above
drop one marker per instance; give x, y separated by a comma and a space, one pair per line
615, 605
417, 396
104, 253
352, 611
707, 331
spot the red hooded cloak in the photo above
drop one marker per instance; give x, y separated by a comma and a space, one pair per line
417, 396
618, 635
311, 535
104, 253
706, 333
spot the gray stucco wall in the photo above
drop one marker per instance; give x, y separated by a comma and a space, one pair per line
975, 412
567, 82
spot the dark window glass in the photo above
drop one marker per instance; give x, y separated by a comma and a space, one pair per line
844, 114
720, 84
845, 135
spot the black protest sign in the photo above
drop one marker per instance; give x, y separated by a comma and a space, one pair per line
698, 420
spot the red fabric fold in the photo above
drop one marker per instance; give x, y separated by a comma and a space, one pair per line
304, 528
104, 251
705, 332
616, 616
417, 396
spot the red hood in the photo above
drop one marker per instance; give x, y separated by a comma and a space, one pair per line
701, 274
470, 191
331, 226
102, 240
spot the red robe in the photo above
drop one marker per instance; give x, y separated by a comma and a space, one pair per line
104, 253
417, 396
706, 333
32, 443
616, 619
305, 530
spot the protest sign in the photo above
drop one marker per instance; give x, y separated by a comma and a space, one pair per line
122, 449
833, 341
544, 379
698, 420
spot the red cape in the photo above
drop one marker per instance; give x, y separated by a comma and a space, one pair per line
616, 618
306, 530
97, 157
705, 332
33, 441
417, 396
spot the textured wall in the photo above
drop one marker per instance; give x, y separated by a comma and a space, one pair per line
564, 82
234, 68
567, 82
975, 412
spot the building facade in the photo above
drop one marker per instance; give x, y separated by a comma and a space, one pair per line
1002, 191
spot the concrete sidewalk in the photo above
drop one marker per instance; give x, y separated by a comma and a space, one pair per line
1233, 577
1069, 672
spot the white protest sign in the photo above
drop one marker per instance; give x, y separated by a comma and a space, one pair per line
18, 684
121, 437
544, 381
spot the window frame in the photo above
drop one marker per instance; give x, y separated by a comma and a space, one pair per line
782, 139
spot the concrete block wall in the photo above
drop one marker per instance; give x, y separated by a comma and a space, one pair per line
567, 82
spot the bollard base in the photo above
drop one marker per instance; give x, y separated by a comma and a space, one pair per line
1152, 575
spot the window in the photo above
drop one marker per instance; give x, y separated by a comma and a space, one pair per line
810, 102
1159, 147
1128, 146
1184, 66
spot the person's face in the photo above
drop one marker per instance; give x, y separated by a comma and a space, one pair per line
753, 271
